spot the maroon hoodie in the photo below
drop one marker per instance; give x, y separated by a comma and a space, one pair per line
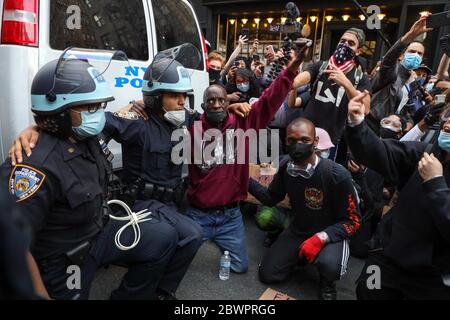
228, 183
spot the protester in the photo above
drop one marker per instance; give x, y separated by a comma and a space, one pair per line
333, 84
325, 210
216, 185
245, 87
412, 244
392, 90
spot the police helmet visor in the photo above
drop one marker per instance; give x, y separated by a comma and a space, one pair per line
186, 54
101, 61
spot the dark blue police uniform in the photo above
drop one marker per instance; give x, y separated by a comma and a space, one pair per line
60, 189
146, 150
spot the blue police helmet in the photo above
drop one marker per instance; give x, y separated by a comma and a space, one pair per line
166, 75
59, 86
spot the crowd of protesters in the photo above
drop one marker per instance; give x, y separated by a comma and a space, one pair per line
365, 162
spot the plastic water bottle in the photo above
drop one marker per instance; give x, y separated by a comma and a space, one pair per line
225, 264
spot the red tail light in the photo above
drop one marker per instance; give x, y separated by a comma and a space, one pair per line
20, 22
205, 51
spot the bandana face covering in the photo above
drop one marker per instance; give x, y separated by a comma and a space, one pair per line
343, 57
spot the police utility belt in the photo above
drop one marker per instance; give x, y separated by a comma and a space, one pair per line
163, 194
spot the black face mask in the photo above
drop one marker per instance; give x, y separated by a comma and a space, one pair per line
386, 133
214, 76
300, 152
215, 118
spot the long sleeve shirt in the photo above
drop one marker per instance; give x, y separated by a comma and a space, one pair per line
415, 233
325, 202
225, 183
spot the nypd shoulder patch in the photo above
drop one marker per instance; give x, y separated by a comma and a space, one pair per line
127, 115
25, 181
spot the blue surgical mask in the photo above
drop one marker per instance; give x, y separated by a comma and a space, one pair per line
420, 80
444, 141
91, 124
411, 61
429, 87
243, 87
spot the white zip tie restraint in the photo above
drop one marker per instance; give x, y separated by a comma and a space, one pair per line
135, 219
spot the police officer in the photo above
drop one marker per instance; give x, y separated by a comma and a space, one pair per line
147, 148
148, 171
61, 188
411, 247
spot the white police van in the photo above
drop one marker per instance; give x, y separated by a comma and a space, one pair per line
34, 32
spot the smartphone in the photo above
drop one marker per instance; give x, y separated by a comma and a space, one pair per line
439, 98
236, 64
256, 57
269, 49
438, 20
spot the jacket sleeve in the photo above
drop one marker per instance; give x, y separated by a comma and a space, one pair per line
394, 160
345, 206
438, 193
268, 196
270, 101
122, 130
388, 70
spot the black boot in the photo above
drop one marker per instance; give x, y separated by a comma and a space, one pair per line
327, 291
163, 295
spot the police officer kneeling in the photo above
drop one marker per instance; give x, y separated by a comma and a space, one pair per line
61, 188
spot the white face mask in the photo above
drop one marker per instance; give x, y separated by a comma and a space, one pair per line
177, 118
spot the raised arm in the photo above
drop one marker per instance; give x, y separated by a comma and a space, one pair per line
237, 51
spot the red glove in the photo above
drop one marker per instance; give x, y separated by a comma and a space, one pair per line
311, 247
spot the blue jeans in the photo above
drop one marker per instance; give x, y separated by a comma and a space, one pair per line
226, 229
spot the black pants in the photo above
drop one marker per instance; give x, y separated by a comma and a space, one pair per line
282, 257
397, 284
168, 243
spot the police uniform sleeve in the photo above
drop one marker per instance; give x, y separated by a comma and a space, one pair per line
34, 191
272, 195
438, 193
394, 160
123, 127
345, 207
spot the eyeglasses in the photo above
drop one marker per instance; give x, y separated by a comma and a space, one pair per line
92, 108
212, 101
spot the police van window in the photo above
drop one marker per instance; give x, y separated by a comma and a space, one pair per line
175, 24
100, 24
